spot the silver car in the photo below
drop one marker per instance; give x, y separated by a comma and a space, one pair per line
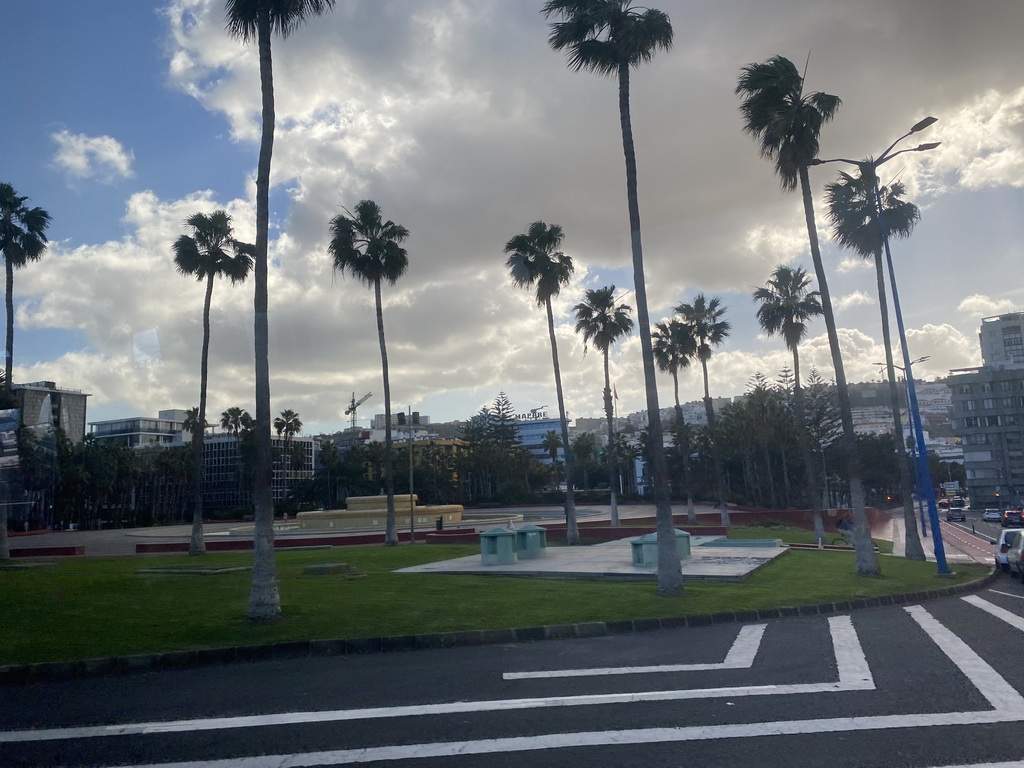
1003, 544
992, 516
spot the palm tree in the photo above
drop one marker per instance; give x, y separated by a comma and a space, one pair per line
22, 239
609, 37
210, 252
786, 123
853, 213
551, 443
233, 420
535, 262
704, 316
258, 20
288, 425
603, 323
369, 249
787, 305
674, 349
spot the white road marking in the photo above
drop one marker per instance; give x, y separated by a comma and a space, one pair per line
1009, 707
854, 675
1011, 764
600, 738
1008, 594
1000, 613
740, 656
1000, 694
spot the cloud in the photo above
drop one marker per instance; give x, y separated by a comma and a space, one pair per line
855, 299
92, 157
979, 306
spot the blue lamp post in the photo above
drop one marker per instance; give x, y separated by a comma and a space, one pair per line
925, 485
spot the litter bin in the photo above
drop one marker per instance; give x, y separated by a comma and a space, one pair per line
439, 524
531, 542
498, 547
645, 548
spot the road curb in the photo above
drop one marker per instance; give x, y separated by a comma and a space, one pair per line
22, 674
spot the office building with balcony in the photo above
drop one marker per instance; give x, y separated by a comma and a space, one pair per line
143, 431
43, 403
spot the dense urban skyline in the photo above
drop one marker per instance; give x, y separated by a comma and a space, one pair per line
458, 119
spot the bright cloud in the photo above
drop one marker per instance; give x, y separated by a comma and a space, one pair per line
978, 305
92, 157
855, 299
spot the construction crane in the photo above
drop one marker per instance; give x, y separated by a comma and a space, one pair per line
351, 410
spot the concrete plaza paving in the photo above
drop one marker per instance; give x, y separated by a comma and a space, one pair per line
612, 561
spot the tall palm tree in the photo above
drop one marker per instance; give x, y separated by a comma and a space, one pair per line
370, 250
853, 214
786, 123
287, 425
786, 306
211, 251
22, 239
704, 316
674, 349
259, 20
602, 323
609, 37
535, 262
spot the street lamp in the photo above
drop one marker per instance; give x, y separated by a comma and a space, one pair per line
923, 471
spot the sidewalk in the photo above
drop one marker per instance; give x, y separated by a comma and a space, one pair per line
960, 546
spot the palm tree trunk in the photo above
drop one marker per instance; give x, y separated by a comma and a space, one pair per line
914, 549
684, 452
611, 442
716, 459
9, 358
810, 468
197, 545
264, 597
867, 562
390, 531
572, 532
670, 576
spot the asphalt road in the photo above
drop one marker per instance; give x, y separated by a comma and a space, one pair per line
928, 685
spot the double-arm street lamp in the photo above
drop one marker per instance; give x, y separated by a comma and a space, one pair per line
923, 472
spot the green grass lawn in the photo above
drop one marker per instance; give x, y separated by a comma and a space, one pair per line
793, 535
94, 607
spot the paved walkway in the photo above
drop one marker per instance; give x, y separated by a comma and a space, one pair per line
613, 561
960, 546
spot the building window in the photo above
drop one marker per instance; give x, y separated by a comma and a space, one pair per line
1005, 386
1010, 419
988, 403
991, 421
986, 387
970, 421
965, 389
970, 405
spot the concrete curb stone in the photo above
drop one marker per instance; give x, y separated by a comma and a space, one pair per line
22, 674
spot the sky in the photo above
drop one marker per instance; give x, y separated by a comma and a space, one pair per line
125, 117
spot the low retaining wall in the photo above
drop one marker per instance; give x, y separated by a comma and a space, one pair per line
236, 545
47, 551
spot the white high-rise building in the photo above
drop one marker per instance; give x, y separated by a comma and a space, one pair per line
1002, 342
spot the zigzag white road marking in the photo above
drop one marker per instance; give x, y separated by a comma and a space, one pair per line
1008, 703
740, 656
1000, 613
854, 675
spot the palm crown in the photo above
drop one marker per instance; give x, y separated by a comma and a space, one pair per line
367, 247
602, 35
22, 229
709, 329
787, 304
536, 262
285, 15
853, 213
778, 114
674, 345
600, 321
212, 251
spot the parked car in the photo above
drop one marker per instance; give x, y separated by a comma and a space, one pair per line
955, 515
1015, 554
1011, 518
992, 516
1002, 545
